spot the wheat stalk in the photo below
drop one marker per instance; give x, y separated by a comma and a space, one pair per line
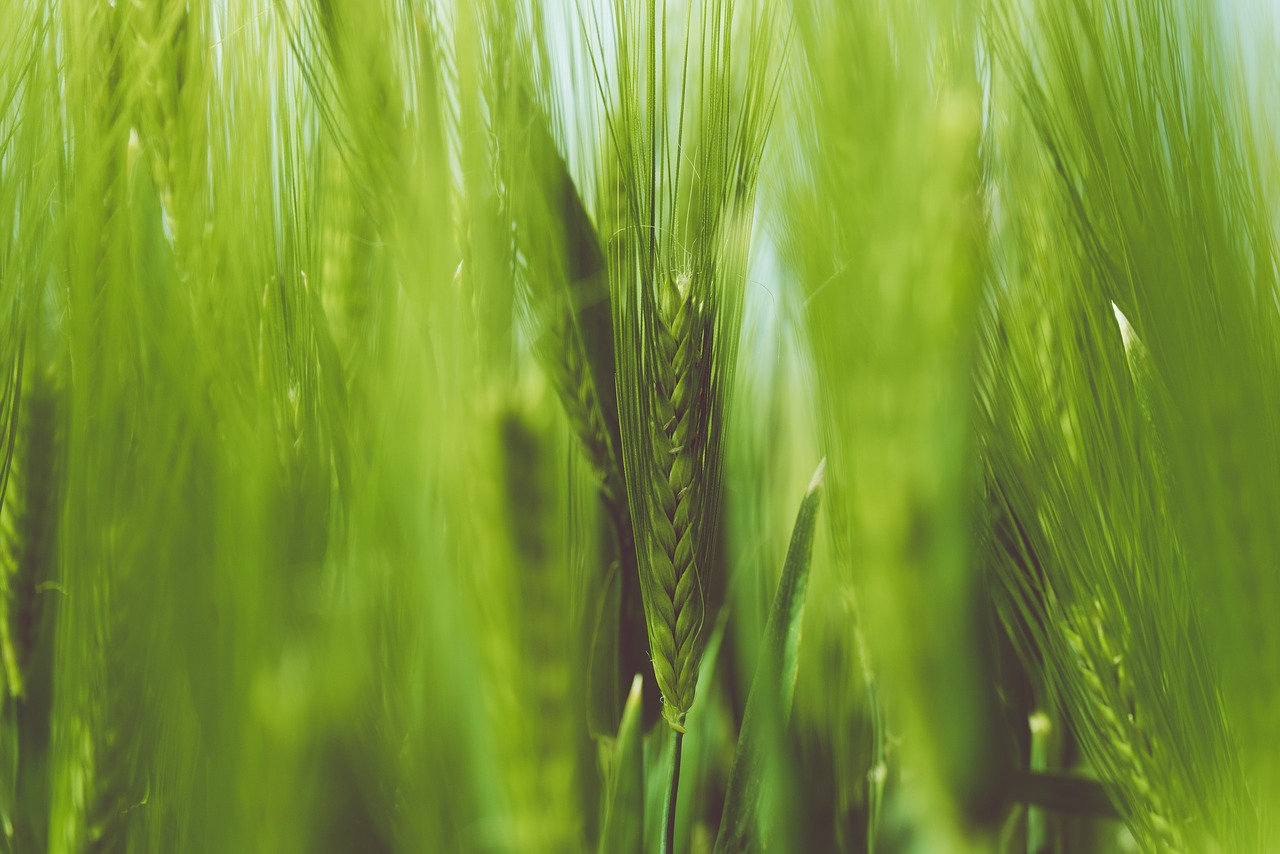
679, 610
677, 254
159, 35
555, 257
562, 355
1105, 694
672, 438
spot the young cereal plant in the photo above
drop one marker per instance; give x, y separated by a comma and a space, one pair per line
676, 286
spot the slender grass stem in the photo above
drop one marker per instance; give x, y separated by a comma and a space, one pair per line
669, 835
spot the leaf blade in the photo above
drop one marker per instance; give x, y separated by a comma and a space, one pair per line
624, 820
773, 685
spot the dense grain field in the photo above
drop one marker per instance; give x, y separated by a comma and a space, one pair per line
663, 426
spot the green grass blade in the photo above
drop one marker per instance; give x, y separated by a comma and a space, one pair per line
624, 817
772, 687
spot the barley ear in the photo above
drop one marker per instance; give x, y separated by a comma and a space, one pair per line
563, 357
679, 608
1113, 709
558, 267
556, 259
677, 256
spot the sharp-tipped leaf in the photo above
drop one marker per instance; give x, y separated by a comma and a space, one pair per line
624, 817
772, 687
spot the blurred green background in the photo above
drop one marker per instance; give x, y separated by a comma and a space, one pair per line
315, 532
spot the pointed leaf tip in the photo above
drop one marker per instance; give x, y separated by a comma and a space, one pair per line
623, 831
772, 689
819, 478
1127, 334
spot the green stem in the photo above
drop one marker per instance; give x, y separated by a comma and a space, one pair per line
669, 837
1037, 827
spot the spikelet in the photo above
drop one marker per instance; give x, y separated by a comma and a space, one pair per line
556, 261
1115, 713
673, 436
158, 34
679, 394
561, 353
